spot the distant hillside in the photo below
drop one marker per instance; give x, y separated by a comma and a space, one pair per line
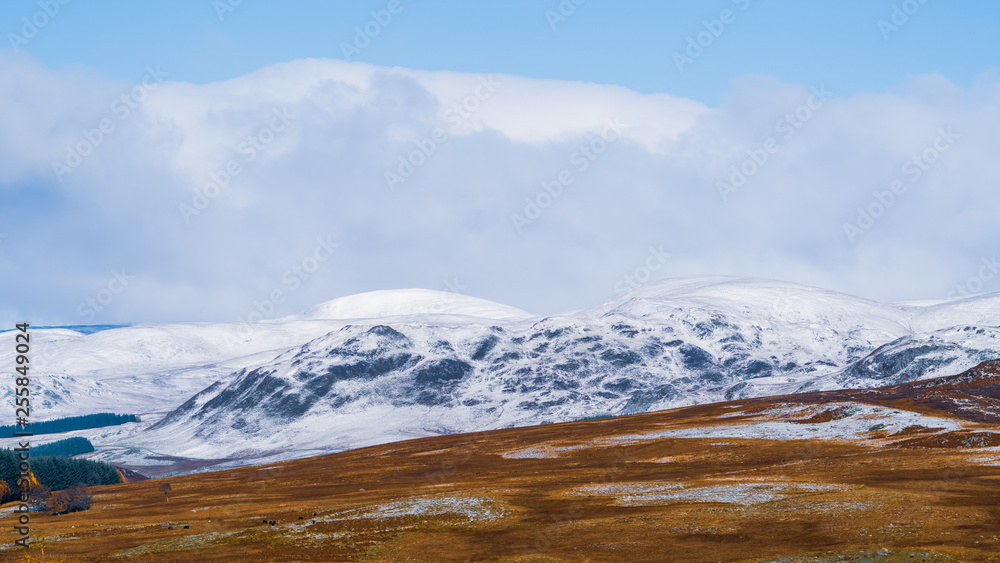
55, 472
66, 448
677, 343
391, 365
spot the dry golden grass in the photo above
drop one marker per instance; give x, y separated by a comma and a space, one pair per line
585, 498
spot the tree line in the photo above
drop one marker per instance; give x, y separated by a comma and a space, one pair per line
53, 473
64, 448
71, 423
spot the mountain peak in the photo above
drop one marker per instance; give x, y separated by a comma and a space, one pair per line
409, 302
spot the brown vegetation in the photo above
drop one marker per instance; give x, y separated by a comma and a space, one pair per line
592, 490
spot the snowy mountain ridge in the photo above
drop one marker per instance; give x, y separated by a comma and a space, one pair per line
391, 365
665, 345
408, 302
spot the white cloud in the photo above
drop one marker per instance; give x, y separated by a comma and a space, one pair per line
324, 175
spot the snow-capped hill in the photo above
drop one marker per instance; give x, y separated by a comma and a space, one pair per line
921, 356
783, 324
143, 368
389, 365
160, 347
977, 310
676, 343
409, 302
760, 300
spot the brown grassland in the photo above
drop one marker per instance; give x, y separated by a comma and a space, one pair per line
577, 491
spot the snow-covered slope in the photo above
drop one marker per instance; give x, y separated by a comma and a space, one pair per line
142, 368
674, 343
408, 302
390, 365
978, 310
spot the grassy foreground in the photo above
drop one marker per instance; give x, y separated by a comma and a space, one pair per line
595, 490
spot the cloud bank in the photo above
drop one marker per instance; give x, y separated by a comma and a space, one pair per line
313, 179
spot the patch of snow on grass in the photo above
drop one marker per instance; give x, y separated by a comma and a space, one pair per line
858, 422
196, 541
539, 452
995, 460
474, 509
644, 494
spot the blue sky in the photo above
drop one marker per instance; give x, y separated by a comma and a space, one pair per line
159, 162
625, 43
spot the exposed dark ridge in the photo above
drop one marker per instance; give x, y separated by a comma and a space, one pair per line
972, 395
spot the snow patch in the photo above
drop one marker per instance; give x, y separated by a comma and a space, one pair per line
473, 509
647, 494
